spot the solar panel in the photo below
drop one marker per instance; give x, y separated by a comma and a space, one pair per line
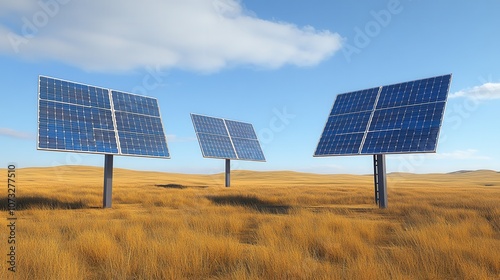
80, 118
399, 118
226, 139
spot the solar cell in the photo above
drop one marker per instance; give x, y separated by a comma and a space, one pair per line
135, 104
356, 101
414, 92
413, 116
401, 141
143, 144
240, 129
347, 123
339, 144
226, 139
399, 118
210, 125
216, 146
73, 93
81, 118
248, 149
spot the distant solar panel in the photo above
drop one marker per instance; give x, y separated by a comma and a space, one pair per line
399, 118
81, 118
226, 139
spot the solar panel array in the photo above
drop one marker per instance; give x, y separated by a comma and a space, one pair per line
399, 118
226, 139
81, 118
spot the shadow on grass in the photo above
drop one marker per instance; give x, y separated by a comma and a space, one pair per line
250, 202
178, 186
38, 202
343, 210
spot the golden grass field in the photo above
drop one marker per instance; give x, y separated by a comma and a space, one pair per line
268, 225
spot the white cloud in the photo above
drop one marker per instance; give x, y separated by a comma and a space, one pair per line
15, 134
486, 91
201, 35
9, 7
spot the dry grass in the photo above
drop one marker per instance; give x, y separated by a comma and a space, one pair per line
272, 225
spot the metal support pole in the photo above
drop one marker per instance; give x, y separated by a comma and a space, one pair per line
375, 178
228, 173
380, 180
108, 180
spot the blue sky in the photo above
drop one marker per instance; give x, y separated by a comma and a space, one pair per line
276, 64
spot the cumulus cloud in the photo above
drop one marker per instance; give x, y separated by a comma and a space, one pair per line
200, 35
486, 91
15, 134
9, 7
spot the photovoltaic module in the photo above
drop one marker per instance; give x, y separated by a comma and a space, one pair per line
226, 139
393, 119
75, 117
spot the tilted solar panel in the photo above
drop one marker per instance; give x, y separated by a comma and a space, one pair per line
226, 139
399, 118
81, 118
